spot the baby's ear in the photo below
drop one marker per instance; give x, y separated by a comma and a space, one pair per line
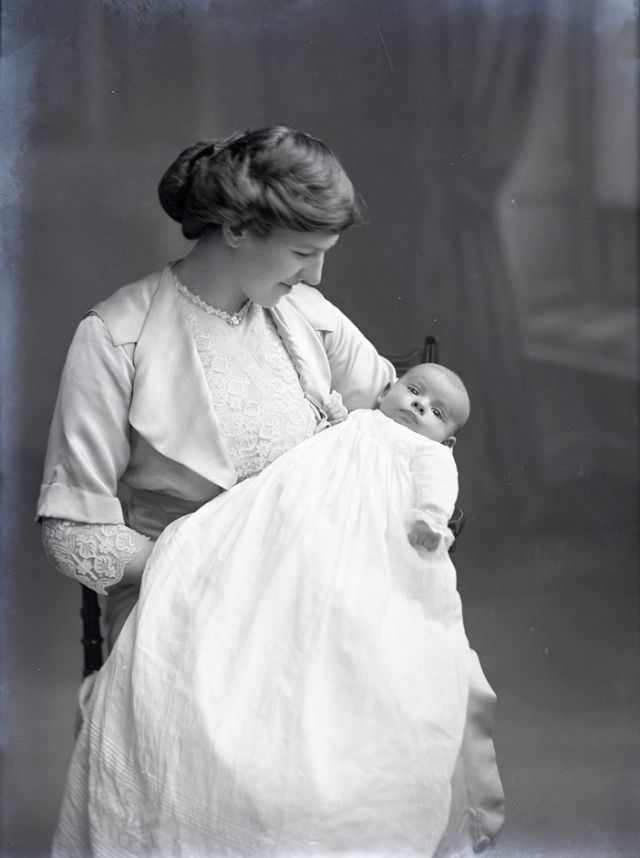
450, 442
383, 393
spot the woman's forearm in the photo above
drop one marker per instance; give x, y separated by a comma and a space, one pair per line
99, 556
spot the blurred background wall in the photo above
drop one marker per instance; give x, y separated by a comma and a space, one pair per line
495, 145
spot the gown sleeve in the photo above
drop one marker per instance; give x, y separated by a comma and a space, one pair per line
435, 478
93, 554
88, 447
83, 533
358, 372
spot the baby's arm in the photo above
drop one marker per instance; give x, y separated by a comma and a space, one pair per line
435, 479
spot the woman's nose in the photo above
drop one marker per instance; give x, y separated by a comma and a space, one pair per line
312, 271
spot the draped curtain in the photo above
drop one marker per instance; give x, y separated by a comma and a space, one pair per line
477, 63
440, 92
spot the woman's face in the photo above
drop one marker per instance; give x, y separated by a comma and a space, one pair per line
267, 267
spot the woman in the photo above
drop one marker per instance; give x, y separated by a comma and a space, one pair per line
150, 423
198, 376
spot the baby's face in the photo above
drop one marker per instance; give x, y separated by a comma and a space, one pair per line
428, 402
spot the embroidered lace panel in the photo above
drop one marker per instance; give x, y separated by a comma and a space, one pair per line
94, 554
255, 389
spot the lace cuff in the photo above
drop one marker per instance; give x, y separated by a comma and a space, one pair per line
94, 554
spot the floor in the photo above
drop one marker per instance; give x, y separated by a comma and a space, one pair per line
552, 607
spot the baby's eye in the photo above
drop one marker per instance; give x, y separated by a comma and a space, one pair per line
412, 389
438, 413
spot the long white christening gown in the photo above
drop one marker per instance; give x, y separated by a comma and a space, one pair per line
294, 679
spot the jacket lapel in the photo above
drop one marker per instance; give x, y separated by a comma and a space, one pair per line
300, 334
171, 404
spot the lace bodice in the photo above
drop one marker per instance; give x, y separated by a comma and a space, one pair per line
254, 386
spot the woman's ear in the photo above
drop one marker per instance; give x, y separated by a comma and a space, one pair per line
233, 235
450, 442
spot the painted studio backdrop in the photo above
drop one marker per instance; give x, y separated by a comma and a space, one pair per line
494, 143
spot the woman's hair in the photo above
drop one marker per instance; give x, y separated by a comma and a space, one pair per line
272, 177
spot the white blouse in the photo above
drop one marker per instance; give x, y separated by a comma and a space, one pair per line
255, 389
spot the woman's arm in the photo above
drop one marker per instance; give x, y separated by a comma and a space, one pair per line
97, 555
358, 372
88, 447
83, 531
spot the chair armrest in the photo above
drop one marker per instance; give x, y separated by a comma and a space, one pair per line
456, 525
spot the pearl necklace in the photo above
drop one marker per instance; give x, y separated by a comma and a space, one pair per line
233, 319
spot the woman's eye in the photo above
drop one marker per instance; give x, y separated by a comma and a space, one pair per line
301, 254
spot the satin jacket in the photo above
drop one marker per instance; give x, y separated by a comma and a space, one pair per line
135, 438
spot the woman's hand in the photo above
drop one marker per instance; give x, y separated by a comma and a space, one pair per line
336, 411
421, 536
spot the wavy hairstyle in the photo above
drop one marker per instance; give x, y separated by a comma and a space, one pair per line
272, 177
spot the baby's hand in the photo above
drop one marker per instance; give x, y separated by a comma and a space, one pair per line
421, 536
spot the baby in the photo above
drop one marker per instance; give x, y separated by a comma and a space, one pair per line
294, 678
432, 401
429, 399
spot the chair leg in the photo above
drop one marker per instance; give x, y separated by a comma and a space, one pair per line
91, 633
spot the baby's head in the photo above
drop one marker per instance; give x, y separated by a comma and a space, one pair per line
429, 399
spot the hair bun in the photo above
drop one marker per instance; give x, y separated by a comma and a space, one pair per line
259, 180
175, 184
